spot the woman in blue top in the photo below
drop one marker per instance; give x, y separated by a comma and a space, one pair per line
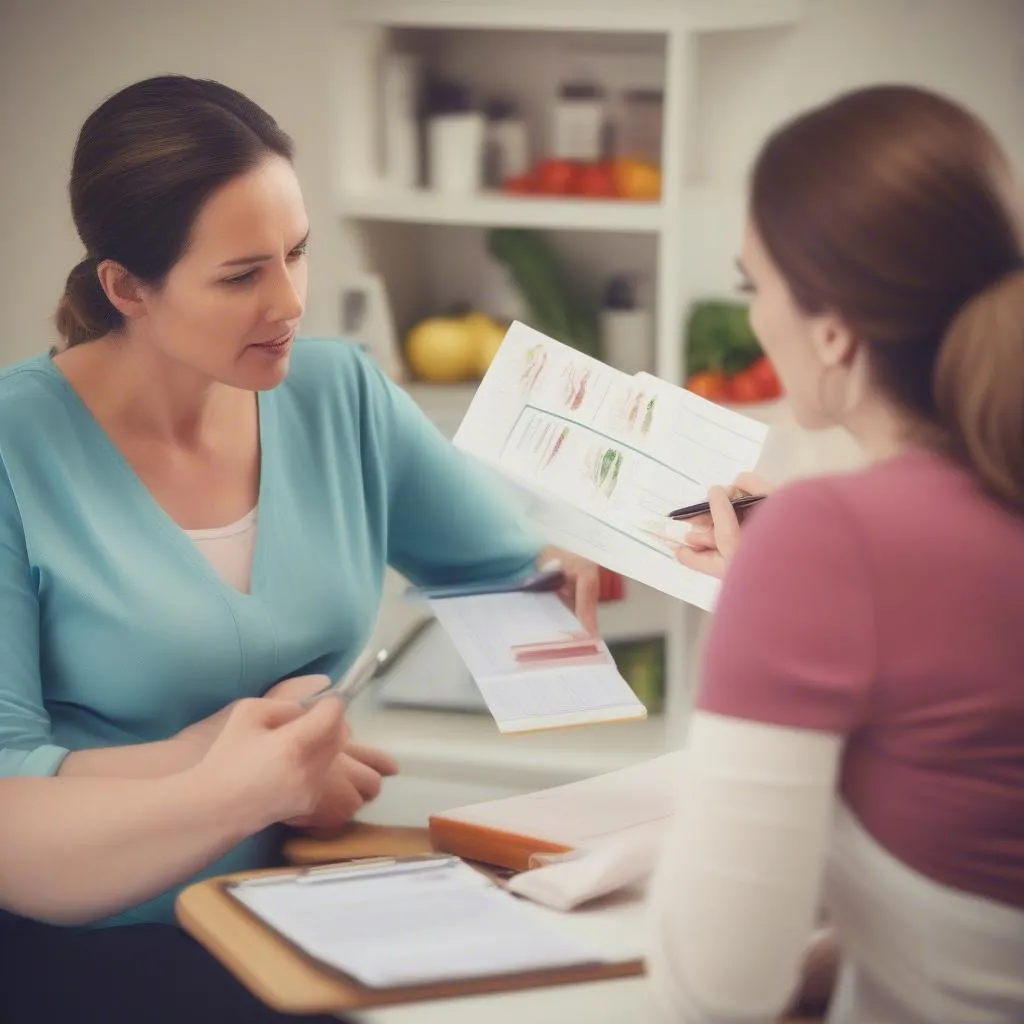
196, 509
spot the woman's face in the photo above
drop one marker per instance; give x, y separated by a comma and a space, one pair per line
792, 340
229, 308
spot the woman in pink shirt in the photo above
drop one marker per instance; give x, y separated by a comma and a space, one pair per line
858, 741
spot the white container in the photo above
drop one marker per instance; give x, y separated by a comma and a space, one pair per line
626, 335
400, 129
455, 152
578, 123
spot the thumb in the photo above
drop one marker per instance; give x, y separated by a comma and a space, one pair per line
321, 725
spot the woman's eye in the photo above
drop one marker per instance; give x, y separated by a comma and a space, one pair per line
746, 286
241, 278
299, 250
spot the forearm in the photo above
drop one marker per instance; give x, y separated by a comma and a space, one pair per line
133, 761
733, 899
78, 849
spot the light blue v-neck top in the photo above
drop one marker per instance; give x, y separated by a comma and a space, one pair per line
114, 627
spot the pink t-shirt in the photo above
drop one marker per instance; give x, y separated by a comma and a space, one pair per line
887, 605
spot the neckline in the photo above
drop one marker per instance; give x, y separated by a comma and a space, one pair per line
148, 505
243, 525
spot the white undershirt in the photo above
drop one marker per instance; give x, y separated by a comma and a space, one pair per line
230, 549
760, 840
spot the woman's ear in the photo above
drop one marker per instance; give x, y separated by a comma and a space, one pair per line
124, 291
833, 341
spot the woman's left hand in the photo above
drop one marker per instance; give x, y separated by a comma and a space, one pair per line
582, 584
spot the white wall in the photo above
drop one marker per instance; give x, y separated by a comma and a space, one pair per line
59, 58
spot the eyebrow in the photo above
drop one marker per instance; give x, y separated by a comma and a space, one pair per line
239, 261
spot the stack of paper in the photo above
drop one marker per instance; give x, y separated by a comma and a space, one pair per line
608, 453
583, 840
408, 923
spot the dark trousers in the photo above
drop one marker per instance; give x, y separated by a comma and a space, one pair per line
152, 973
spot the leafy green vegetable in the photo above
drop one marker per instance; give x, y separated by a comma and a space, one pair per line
718, 337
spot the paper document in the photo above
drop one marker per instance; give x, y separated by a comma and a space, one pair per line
414, 923
535, 665
611, 826
610, 453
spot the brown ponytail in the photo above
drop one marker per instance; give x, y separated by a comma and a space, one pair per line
84, 312
889, 207
979, 387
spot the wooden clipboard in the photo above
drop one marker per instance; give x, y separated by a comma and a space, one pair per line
358, 839
291, 982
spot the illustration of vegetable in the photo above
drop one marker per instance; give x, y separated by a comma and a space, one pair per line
607, 472
559, 441
536, 360
648, 416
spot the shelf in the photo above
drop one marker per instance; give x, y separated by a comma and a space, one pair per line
497, 210
442, 744
587, 15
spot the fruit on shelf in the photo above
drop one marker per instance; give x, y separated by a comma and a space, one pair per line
620, 178
725, 360
447, 349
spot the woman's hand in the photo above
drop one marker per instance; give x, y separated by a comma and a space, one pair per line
272, 759
355, 778
712, 539
582, 584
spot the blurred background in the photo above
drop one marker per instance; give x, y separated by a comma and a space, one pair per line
579, 165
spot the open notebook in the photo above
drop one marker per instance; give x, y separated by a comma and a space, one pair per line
535, 665
605, 456
414, 921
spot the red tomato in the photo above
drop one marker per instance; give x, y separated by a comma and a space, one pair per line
711, 384
597, 181
757, 383
557, 177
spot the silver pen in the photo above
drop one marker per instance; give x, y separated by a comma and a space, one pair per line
369, 665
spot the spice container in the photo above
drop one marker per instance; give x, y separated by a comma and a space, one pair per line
578, 123
639, 135
627, 342
455, 140
507, 149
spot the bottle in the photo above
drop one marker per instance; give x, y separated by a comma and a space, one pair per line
578, 123
627, 342
455, 141
401, 130
507, 154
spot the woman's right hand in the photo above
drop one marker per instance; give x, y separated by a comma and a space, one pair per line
272, 758
713, 538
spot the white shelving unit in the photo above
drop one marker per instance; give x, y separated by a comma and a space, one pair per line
427, 246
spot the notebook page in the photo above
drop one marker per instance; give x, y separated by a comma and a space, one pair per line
624, 450
583, 813
535, 665
416, 927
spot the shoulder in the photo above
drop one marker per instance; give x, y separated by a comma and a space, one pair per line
21, 386
793, 638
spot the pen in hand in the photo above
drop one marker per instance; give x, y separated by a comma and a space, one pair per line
741, 501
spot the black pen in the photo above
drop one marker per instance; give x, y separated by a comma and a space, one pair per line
702, 508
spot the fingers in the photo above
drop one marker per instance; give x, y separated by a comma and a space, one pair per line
709, 562
321, 726
727, 525
261, 713
366, 781
380, 761
298, 687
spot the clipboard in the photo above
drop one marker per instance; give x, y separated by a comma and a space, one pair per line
290, 981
